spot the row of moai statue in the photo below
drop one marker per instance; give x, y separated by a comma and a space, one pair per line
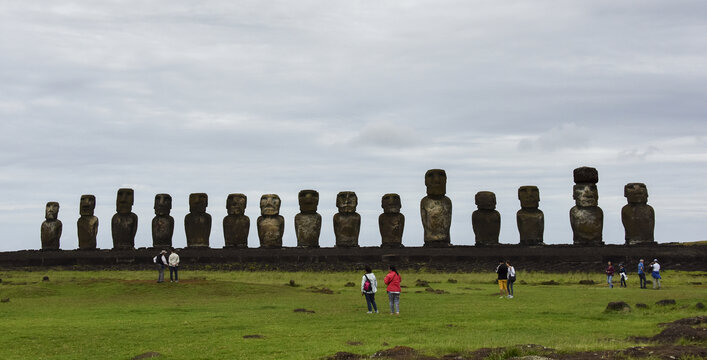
586, 218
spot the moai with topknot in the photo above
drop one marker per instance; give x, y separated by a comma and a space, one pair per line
124, 222
436, 210
486, 221
271, 225
391, 222
197, 224
51, 227
163, 222
236, 225
586, 217
308, 223
347, 222
87, 224
637, 216
530, 219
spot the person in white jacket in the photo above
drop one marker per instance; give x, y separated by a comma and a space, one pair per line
174, 266
369, 286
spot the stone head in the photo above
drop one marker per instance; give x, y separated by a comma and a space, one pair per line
308, 200
87, 204
586, 175
529, 196
163, 204
51, 212
198, 202
585, 195
485, 200
236, 203
270, 204
124, 200
346, 201
436, 182
391, 203
636, 193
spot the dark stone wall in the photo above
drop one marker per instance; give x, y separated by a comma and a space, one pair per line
555, 258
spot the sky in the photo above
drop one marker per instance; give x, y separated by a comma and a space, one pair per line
261, 97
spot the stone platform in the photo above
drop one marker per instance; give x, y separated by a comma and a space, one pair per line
555, 258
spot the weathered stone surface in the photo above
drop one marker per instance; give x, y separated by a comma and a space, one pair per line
530, 219
436, 210
271, 226
236, 225
87, 224
586, 175
162, 223
637, 216
51, 227
197, 224
124, 222
391, 222
308, 223
486, 221
347, 223
586, 217
618, 306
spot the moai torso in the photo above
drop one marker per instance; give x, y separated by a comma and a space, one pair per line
391, 222
51, 227
637, 216
87, 224
530, 219
236, 225
486, 221
271, 225
586, 218
436, 209
162, 223
124, 222
197, 224
347, 223
308, 223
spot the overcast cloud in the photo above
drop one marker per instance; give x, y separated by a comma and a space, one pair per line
278, 96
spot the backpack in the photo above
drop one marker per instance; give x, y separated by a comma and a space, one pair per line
157, 259
367, 286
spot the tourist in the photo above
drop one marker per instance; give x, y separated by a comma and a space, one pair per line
641, 274
160, 260
393, 281
511, 278
655, 273
610, 275
174, 266
622, 274
502, 271
369, 286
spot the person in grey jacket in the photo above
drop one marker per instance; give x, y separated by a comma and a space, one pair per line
369, 286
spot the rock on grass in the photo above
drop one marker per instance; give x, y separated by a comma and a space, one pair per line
618, 306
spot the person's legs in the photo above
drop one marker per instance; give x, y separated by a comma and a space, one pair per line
642, 280
373, 302
391, 300
171, 273
654, 279
176, 274
510, 287
368, 302
608, 280
658, 282
160, 277
396, 300
623, 282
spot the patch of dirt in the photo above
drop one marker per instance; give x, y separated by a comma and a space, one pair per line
354, 343
451, 281
587, 282
641, 306
343, 355
254, 336
304, 311
323, 290
350, 284
147, 355
697, 320
699, 306
678, 329
5, 300
422, 283
551, 282
438, 291
666, 302
617, 306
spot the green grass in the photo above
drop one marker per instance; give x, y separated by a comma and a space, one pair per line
121, 314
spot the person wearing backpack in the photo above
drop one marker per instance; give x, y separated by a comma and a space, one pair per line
161, 261
369, 286
393, 281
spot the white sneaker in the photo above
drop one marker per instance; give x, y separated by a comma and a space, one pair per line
369, 312
510, 296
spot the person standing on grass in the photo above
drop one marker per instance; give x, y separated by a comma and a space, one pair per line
641, 274
511, 278
369, 286
393, 281
161, 261
655, 273
622, 274
610, 275
502, 271
174, 266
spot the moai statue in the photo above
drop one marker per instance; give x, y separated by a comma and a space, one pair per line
87, 224
486, 221
391, 222
637, 216
530, 219
308, 223
124, 222
347, 222
51, 227
236, 225
271, 225
162, 223
436, 209
197, 224
586, 218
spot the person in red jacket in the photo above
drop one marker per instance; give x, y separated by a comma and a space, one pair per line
393, 282
610, 275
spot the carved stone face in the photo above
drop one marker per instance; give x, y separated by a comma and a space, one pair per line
391, 203
436, 182
87, 205
198, 202
51, 211
236, 203
124, 201
636, 193
269, 204
347, 201
308, 200
586, 195
163, 204
529, 196
485, 200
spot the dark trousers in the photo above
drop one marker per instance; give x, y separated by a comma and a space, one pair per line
623, 282
642, 278
510, 285
174, 273
371, 301
160, 275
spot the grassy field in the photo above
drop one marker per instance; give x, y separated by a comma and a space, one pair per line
121, 314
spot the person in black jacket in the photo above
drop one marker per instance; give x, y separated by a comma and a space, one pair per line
502, 271
161, 261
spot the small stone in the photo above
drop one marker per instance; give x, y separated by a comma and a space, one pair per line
45, 278
666, 302
422, 283
700, 305
618, 306
5, 300
641, 306
350, 284
452, 281
255, 336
